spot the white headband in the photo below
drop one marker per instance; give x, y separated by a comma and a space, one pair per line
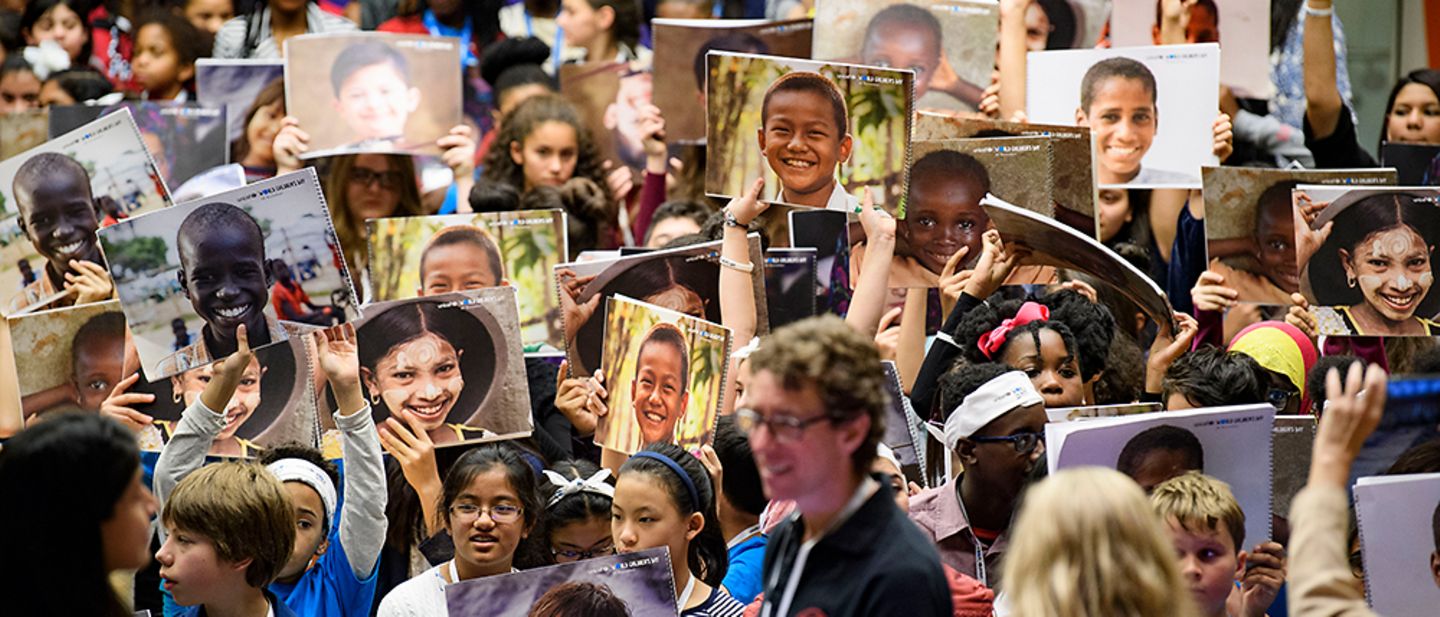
997, 397
884, 451
743, 353
300, 470
595, 484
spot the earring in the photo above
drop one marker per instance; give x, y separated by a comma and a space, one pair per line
175, 396
1350, 280
374, 398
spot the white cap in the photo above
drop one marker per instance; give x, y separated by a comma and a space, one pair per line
997, 397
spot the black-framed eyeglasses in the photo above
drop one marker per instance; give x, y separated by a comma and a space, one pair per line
574, 555
361, 176
1024, 443
503, 514
1280, 398
783, 427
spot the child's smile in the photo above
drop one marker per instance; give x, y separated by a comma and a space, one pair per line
803, 145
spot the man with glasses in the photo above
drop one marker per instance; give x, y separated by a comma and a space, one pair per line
996, 430
814, 412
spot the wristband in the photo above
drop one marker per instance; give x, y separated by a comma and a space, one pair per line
1314, 12
735, 265
730, 220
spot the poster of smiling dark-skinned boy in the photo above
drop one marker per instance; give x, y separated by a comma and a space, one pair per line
53, 198
373, 92
820, 133
1151, 110
664, 372
261, 256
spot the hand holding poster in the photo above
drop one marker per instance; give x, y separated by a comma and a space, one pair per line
1151, 109
818, 132
56, 196
251, 256
665, 376
386, 93
1366, 259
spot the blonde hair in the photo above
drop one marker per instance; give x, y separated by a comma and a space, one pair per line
1197, 501
241, 508
1087, 544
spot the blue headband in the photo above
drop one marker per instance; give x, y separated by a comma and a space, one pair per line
679, 471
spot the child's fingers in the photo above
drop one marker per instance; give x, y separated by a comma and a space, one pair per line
889, 319
130, 398
418, 434
243, 338
124, 385
954, 262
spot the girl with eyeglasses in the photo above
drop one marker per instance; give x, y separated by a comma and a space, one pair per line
360, 187
578, 497
664, 497
489, 504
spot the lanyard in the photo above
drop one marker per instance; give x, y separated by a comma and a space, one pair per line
466, 34
454, 574
980, 573
866, 488
744, 535
685, 595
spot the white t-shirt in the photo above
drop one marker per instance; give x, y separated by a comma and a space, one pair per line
422, 596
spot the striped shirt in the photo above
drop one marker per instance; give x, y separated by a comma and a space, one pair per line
230, 40
719, 604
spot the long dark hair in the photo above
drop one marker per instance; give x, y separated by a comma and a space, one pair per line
522, 121
521, 477
626, 28
643, 279
1372, 214
1430, 78
984, 318
413, 319
574, 508
65, 474
38, 8
708, 558
272, 92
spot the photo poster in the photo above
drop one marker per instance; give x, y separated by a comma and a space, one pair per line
465, 349
828, 232
665, 372
1242, 27
685, 279
274, 403
610, 97
1068, 414
642, 582
184, 139
1231, 444
1416, 164
877, 104
789, 285
68, 358
680, 68
244, 88
1293, 441
1250, 225
108, 155
263, 255
904, 431
1072, 174
1066, 24
948, 181
23, 130
950, 43
373, 92
1054, 244
529, 243
1165, 147
1396, 515
1392, 291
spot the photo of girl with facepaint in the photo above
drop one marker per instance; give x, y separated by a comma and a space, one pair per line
449, 361
273, 403
1372, 273
664, 371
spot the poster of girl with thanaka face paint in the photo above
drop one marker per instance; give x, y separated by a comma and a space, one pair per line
1366, 257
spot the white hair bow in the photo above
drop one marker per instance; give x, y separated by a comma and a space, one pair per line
595, 484
46, 58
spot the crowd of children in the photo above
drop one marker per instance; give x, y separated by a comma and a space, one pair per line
797, 505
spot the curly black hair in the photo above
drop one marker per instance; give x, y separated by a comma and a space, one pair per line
986, 317
1092, 325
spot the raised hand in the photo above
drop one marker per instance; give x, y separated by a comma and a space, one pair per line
227, 373
289, 144
1211, 294
457, 151
1167, 348
1264, 574
1352, 411
953, 280
745, 208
